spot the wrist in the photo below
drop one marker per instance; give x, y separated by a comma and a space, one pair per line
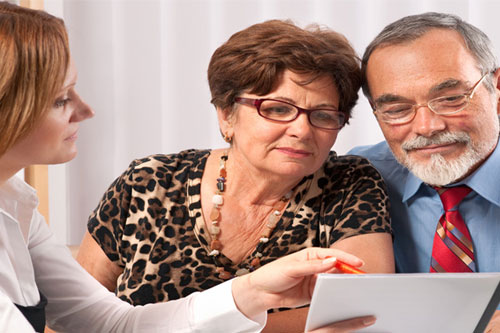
249, 299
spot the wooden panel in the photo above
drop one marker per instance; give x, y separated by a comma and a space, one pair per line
38, 177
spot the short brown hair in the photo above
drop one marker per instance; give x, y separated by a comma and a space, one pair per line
34, 57
253, 59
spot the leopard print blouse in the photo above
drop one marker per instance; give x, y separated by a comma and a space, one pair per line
150, 221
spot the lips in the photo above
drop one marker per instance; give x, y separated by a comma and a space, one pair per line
294, 152
441, 140
72, 137
435, 147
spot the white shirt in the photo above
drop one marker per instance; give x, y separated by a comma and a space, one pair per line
30, 258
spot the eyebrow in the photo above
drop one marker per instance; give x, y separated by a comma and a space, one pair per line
447, 84
319, 106
69, 85
389, 98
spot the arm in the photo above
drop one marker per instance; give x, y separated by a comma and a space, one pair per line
370, 241
78, 303
288, 282
494, 325
376, 252
11, 319
374, 249
94, 260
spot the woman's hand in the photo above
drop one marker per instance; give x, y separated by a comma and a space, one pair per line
286, 282
494, 324
345, 326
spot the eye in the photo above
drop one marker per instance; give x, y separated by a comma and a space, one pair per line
395, 110
324, 115
450, 100
61, 102
275, 109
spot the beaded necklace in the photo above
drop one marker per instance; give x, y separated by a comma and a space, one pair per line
216, 245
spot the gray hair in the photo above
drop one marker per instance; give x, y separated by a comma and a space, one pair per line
413, 27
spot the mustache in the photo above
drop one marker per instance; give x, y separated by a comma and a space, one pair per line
438, 139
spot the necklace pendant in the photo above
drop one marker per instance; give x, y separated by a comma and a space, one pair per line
214, 253
242, 271
224, 275
216, 245
217, 200
220, 186
214, 229
214, 214
255, 262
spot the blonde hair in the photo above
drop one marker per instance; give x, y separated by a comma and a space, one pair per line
34, 57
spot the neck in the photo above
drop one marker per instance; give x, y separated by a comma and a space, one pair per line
252, 187
7, 169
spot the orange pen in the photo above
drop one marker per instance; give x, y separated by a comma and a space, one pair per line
346, 268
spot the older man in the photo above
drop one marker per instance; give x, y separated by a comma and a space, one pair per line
433, 83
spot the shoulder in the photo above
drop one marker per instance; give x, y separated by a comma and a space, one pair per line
163, 166
379, 151
349, 166
170, 162
346, 174
381, 157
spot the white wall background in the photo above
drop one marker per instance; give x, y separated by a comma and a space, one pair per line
142, 67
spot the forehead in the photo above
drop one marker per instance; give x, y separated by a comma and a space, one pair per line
293, 83
438, 55
71, 74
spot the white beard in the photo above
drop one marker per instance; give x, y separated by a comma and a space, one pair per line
439, 171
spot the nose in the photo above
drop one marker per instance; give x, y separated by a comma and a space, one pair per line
427, 123
300, 127
82, 110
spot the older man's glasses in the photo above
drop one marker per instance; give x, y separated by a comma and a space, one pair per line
401, 113
285, 112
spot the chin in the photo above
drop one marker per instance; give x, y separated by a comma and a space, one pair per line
295, 171
440, 170
63, 158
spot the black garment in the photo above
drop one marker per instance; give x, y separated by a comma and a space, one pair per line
35, 314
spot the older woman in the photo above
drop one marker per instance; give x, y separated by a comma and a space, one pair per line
40, 112
174, 224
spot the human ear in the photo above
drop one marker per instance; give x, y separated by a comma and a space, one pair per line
496, 85
225, 117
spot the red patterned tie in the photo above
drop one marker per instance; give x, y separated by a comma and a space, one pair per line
452, 250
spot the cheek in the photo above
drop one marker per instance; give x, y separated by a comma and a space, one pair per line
326, 141
253, 131
49, 135
395, 134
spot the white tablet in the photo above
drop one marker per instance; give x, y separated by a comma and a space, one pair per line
424, 302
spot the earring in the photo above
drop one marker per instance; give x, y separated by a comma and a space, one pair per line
228, 138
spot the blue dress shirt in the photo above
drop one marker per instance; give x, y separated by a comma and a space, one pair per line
416, 209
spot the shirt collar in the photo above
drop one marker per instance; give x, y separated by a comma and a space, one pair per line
484, 181
412, 185
18, 201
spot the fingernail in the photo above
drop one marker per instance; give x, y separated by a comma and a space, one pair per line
369, 321
330, 260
